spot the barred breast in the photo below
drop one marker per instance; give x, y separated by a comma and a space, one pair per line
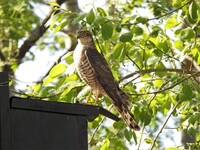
84, 68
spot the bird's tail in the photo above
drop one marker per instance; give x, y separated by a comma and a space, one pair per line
120, 101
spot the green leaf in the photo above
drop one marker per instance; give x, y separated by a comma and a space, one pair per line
148, 140
198, 59
47, 80
172, 22
178, 44
177, 32
53, 4
118, 28
127, 135
192, 119
166, 106
135, 137
126, 37
154, 33
158, 83
68, 57
137, 31
99, 21
105, 145
193, 11
70, 87
150, 44
128, 19
62, 25
160, 65
79, 18
145, 117
191, 130
101, 12
107, 30
36, 87
141, 20
72, 77
190, 20
172, 148
123, 53
90, 17
118, 124
117, 50
60, 82
52, 21
198, 29
163, 46
187, 34
187, 91
158, 52
57, 70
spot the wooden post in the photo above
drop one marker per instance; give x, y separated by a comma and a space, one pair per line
5, 133
30, 124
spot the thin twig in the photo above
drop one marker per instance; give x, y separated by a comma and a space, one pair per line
131, 81
138, 148
161, 129
132, 61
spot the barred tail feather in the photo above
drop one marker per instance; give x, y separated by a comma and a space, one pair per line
120, 101
129, 119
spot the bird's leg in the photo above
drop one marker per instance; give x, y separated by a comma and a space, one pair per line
89, 96
97, 96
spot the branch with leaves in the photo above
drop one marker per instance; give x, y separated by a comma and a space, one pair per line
35, 35
146, 71
170, 87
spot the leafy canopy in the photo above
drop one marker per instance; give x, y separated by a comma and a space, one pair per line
148, 53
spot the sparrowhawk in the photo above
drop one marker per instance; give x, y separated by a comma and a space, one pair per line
94, 70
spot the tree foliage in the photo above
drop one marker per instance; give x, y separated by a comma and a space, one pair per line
155, 57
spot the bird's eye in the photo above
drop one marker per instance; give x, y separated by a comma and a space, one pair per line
84, 34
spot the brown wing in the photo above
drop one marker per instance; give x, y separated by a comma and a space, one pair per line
105, 78
104, 75
101, 69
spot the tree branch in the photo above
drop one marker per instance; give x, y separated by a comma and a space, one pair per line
159, 91
171, 11
180, 71
35, 35
161, 129
43, 97
72, 6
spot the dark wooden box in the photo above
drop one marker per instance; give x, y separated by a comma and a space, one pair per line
28, 124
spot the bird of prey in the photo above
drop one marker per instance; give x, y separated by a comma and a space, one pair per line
94, 70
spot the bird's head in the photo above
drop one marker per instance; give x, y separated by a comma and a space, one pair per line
85, 37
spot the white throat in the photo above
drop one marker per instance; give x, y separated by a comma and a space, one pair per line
78, 52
